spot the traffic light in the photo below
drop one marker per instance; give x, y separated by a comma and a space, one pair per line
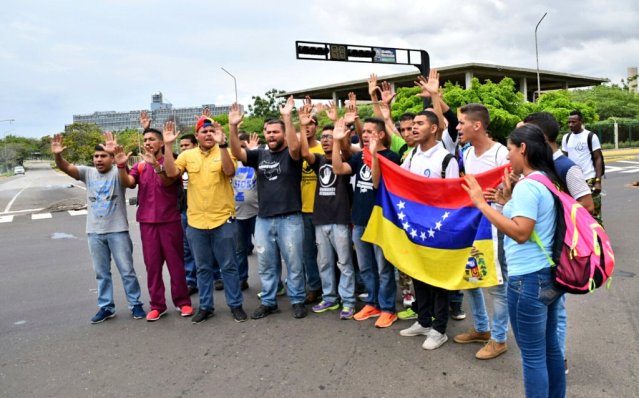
312, 50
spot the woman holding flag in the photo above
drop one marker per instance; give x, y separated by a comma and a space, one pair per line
532, 298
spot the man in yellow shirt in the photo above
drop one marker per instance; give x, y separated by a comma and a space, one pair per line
210, 212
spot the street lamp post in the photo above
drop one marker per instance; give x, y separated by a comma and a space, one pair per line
234, 81
537, 56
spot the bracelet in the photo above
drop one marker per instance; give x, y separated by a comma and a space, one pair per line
597, 179
122, 166
221, 146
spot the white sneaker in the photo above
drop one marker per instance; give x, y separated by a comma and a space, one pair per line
415, 330
408, 299
434, 340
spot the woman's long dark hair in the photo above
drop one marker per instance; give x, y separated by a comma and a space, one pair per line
538, 152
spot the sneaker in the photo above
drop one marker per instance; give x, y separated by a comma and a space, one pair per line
218, 284
415, 330
434, 340
202, 315
408, 299
362, 296
407, 314
154, 315
456, 311
385, 320
238, 314
346, 313
264, 310
566, 366
491, 350
192, 290
281, 289
367, 312
185, 310
313, 296
138, 312
299, 311
472, 336
244, 285
324, 306
102, 315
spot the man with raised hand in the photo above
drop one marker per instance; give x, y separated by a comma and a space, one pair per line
107, 228
187, 141
211, 212
160, 221
279, 227
485, 154
378, 274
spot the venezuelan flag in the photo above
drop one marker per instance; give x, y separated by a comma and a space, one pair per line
430, 230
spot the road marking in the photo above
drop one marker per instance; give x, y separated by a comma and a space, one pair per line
77, 212
6, 209
23, 211
628, 161
631, 170
41, 216
6, 219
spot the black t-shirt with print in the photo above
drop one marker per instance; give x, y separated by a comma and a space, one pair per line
278, 181
364, 193
332, 195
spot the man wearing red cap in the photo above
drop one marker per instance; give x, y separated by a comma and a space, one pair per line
210, 212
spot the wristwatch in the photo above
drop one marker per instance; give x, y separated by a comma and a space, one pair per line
225, 145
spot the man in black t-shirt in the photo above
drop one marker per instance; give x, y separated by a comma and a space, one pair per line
279, 228
377, 273
332, 218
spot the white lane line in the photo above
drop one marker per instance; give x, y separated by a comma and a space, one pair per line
610, 169
41, 216
23, 211
6, 209
6, 219
77, 212
630, 170
628, 161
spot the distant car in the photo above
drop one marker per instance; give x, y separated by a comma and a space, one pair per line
18, 170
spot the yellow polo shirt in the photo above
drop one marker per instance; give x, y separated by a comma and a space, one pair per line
309, 182
210, 198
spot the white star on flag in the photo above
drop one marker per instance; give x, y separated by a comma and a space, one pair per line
413, 233
406, 226
438, 225
445, 216
401, 216
423, 235
401, 204
431, 233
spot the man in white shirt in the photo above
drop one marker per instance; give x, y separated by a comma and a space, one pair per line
583, 148
485, 154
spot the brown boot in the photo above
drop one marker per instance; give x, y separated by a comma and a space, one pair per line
491, 350
472, 336
313, 296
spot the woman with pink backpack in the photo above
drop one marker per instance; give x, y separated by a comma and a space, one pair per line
532, 295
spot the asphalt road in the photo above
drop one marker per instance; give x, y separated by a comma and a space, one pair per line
48, 348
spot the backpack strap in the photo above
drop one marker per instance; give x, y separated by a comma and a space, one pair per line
141, 165
412, 154
445, 162
535, 238
590, 134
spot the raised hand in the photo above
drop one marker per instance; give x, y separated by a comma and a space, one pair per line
385, 109
331, 112
387, 93
287, 108
149, 158
206, 112
372, 86
422, 83
340, 131
218, 135
145, 120
352, 99
235, 116
254, 141
305, 111
120, 157
56, 144
351, 113
109, 141
433, 82
372, 143
169, 134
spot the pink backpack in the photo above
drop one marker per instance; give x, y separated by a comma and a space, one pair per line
582, 258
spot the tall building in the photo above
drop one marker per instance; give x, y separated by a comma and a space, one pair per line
160, 112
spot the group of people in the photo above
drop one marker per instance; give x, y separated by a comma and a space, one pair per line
304, 203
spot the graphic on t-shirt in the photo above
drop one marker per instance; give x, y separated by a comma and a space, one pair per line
244, 179
101, 202
427, 173
270, 170
365, 173
580, 147
326, 176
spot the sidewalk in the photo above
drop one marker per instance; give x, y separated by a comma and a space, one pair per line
620, 154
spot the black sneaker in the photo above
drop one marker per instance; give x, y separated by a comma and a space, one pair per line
264, 310
218, 284
138, 312
244, 285
299, 310
192, 290
202, 315
456, 311
238, 314
102, 315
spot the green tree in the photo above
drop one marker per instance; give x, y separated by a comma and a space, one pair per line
609, 101
560, 103
80, 140
268, 107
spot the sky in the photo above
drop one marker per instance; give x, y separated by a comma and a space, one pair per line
63, 58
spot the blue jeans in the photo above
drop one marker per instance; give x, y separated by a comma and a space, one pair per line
500, 302
274, 237
562, 322
311, 269
331, 239
189, 261
217, 244
532, 303
118, 245
377, 273
245, 230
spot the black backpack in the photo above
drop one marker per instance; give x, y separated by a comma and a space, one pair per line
445, 162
